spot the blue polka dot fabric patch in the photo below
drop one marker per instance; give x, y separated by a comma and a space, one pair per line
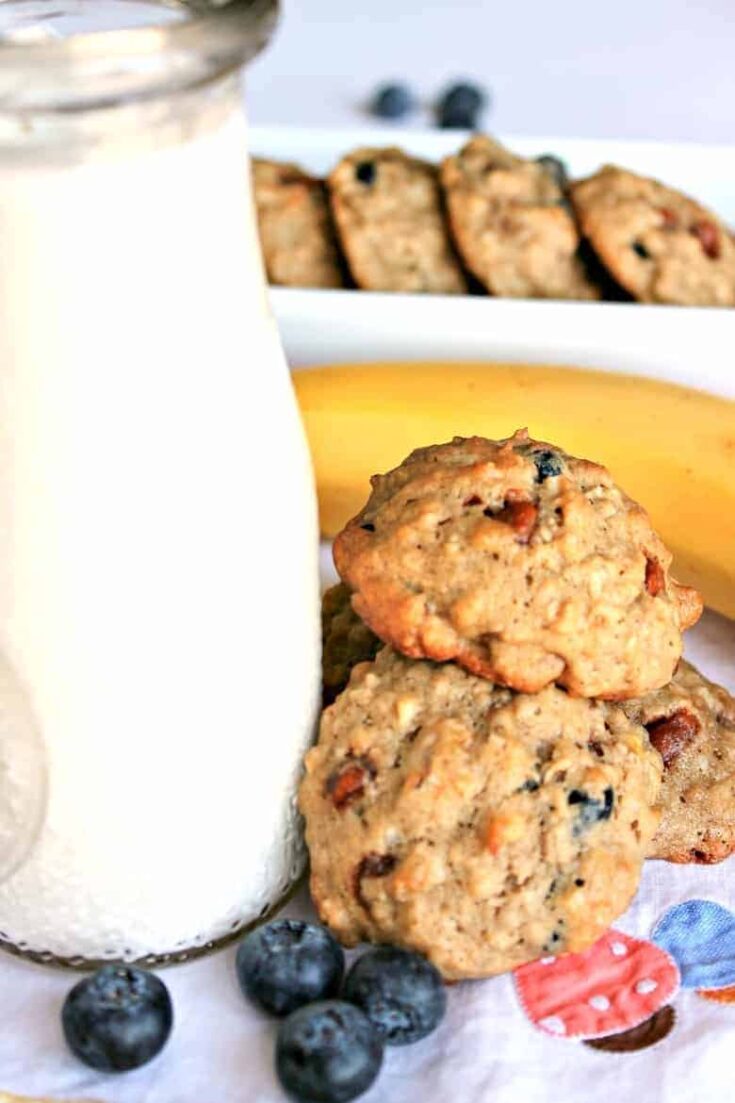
700, 936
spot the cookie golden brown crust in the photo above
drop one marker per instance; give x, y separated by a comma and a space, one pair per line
525, 565
512, 224
658, 244
691, 722
389, 214
295, 227
346, 641
481, 827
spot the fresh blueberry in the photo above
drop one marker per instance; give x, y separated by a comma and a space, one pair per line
590, 810
328, 1052
400, 992
459, 106
392, 101
548, 464
463, 95
556, 169
288, 963
117, 1019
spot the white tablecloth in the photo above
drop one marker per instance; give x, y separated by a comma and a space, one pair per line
486, 1050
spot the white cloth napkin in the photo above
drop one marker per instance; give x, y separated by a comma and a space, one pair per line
485, 1051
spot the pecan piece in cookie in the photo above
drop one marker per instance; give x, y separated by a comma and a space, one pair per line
709, 237
520, 515
348, 783
655, 577
670, 735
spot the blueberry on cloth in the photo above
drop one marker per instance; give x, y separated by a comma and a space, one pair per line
118, 1018
288, 963
400, 992
392, 101
327, 1052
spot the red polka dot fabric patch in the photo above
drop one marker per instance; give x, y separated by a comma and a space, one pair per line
609, 988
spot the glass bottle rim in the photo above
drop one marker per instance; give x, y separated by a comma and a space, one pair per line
102, 66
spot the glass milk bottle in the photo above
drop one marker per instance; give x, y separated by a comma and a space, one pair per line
158, 536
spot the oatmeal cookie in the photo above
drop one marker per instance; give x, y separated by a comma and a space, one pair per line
691, 722
525, 565
661, 246
346, 641
513, 224
295, 226
389, 215
481, 827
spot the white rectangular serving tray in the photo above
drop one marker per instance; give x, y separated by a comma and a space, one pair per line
692, 346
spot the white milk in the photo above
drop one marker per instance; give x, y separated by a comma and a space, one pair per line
158, 543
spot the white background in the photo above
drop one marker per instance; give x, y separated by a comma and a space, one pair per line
632, 68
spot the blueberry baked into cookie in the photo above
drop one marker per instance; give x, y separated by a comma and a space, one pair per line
295, 227
523, 564
691, 723
481, 827
389, 215
512, 223
659, 244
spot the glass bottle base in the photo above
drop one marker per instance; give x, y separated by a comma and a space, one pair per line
157, 961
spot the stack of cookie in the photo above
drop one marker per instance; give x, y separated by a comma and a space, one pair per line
512, 729
489, 221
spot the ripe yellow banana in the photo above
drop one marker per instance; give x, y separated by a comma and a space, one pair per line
669, 447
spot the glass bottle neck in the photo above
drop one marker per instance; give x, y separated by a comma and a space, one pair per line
119, 129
